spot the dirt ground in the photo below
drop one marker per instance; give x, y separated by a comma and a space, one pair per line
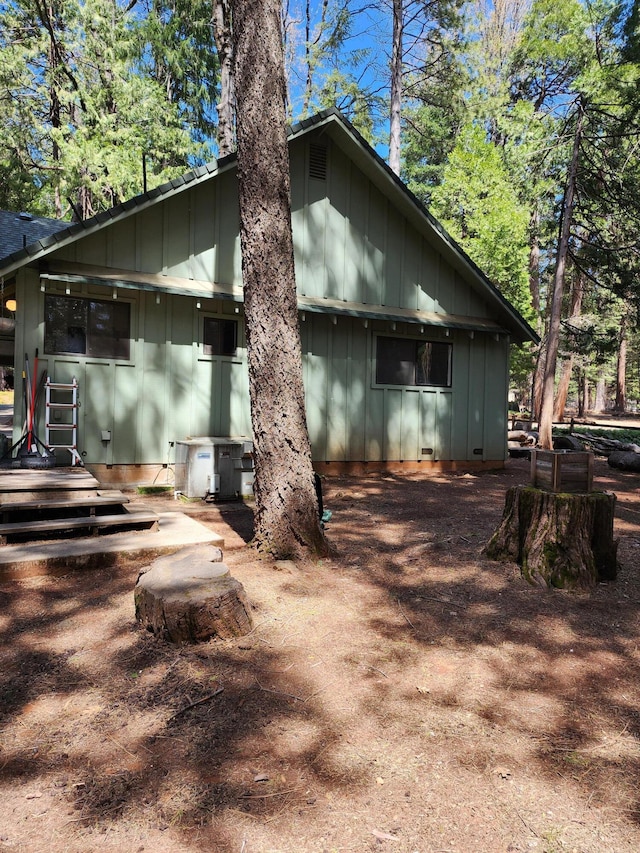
408, 695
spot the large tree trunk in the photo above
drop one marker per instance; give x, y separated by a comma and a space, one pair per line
567, 363
396, 86
621, 369
224, 46
583, 394
534, 262
553, 339
600, 403
536, 382
558, 540
286, 504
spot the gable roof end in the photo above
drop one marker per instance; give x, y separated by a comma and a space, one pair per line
348, 139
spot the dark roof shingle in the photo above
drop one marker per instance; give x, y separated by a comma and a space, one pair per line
19, 230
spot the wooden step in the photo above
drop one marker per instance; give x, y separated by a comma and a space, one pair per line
121, 521
54, 479
17, 501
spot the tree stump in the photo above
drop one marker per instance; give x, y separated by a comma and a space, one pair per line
190, 597
558, 540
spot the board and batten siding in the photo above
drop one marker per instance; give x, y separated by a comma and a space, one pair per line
169, 390
351, 245
166, 391
351, 418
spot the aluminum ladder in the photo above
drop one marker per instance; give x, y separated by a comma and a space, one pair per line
62, 397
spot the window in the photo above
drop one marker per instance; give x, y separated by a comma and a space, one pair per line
87, 327
401, 361
220, 336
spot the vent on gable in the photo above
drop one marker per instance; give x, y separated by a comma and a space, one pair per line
318, 162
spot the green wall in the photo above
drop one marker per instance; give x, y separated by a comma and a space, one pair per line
351, 245
170, 390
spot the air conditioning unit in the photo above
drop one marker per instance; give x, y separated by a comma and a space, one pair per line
215, 468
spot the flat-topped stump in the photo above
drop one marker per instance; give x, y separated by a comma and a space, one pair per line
560, 540
190, 597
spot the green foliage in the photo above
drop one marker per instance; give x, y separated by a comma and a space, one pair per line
77, 113
628, 435
176, 48
476, 202
553, 51
342, 91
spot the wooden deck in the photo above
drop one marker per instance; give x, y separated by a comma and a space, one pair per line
59, 503
24, 479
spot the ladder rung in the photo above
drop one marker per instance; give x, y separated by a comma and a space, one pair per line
62, 406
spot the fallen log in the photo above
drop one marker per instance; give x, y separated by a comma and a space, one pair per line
520, 437
624, 460
558, 540
604, 446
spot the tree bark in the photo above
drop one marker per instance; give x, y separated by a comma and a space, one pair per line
558, 540
553, 340
286, 518
190, 597
600, 403
583, 393
567, 363
222, 34
621, 369
536, 382
396, 86
534, 262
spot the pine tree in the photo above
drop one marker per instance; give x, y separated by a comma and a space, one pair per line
286, 518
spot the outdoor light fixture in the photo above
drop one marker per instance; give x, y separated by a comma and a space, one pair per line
11, 305
157, 299
198, 305
115, 293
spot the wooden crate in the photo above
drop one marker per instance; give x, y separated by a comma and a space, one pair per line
562, 470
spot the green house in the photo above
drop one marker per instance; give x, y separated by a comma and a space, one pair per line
405, 341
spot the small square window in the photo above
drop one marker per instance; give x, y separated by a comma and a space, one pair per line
402, 361
220, 337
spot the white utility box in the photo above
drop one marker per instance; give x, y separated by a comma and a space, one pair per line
215, 467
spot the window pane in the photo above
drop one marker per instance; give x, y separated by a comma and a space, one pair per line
395, 361
108, 329
434, 364
65, 325
87, 327
220, 336
401, 361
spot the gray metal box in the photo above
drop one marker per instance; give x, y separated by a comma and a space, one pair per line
214, 466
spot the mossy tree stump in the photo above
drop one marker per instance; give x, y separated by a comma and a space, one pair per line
558, 540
